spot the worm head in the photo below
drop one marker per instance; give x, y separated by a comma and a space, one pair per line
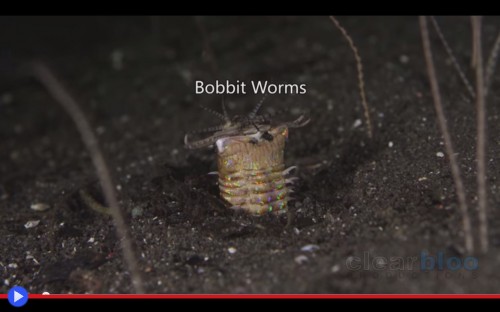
252, 127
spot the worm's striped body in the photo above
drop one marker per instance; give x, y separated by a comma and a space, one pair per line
251, 173
250, 159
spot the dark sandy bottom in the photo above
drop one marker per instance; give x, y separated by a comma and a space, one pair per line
357, 199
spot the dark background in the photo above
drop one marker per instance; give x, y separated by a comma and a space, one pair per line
391, 196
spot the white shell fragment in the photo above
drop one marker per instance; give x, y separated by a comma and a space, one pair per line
357, 123
301, 259
440, 154
39, 207
309, 248
231, 250
31, 224
220, 145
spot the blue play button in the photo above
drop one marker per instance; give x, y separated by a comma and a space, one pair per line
17, 296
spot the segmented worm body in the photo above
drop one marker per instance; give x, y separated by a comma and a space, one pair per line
250, 159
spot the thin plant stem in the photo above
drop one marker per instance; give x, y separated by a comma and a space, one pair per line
72, 108
481, 135
490, 67
452, 57
455, 170
361, 80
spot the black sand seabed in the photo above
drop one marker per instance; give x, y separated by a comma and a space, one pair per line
391, 197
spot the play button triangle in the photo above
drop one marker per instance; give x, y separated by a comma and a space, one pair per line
17, 296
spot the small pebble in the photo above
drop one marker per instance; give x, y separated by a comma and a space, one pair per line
31, 224
404, 59
301, 259
91, 240
3, 193
391, 144
186, 75
30, 257
310, 248
39, 207
231, 250
335, 268
357, 123
329, 105
440, 154
12, 265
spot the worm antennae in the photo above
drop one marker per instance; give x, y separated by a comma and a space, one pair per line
224, 110
215, 113
254, 111
299, 122
202, 143
452, 57
209, 129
